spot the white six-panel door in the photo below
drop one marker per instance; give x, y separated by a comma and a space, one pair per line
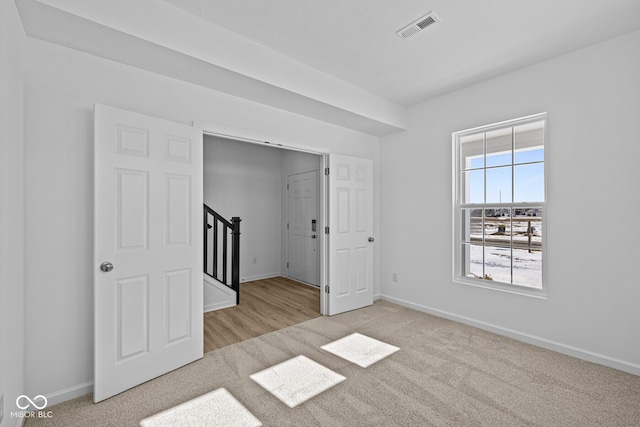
302, 238
351, 233
148, 219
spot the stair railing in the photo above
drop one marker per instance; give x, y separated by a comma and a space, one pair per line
222, 228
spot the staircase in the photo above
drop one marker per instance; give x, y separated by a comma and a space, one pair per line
222, 250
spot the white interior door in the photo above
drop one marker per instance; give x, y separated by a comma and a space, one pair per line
303, 229
148, 214
351, 233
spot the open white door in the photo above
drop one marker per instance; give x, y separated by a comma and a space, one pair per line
147, 248
302, 227
351, 233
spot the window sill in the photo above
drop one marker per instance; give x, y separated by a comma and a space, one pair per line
511, 289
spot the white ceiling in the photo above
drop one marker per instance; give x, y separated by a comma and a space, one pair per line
355, 40
338, 61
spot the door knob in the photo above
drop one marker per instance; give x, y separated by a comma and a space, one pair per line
371, 239
313, 236
106, 267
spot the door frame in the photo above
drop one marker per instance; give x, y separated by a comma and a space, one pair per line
323, 198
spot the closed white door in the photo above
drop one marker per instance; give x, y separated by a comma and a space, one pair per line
351, 233
147, 248
303, 232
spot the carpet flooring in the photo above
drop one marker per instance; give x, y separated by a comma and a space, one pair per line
445, 374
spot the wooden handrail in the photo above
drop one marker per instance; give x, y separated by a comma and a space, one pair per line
217, 216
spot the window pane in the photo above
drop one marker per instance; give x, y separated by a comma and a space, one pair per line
497, 226
472, 151
472, 186
529, 142
529, 182
527, 156
471, 260
477, 162
527, 229
471, 227
499, 185
527, 268
497, 263
499, 147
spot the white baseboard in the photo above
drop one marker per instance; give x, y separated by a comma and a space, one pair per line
587, 355
69, 393
217, 306
260, 277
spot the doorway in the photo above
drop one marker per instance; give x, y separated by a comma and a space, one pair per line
250, 180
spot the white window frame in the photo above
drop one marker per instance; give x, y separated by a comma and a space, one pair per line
458, 209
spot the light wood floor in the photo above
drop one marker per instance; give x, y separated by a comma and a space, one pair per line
265, 306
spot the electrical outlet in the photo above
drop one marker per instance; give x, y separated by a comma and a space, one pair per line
395, 277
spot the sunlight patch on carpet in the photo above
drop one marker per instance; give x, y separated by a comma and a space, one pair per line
360, 349
217, 408
297, 380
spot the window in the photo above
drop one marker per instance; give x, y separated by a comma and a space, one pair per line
499, 205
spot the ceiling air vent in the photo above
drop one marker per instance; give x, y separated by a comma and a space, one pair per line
418, 25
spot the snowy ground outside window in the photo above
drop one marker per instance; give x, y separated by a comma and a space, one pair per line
527, 266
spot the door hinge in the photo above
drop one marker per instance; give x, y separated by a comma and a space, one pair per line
287, 186
326, 171
287, 226
326, 289
287, 265
326, 230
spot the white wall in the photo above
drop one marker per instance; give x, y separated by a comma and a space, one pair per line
592, 97
294, 162
11, 210
60, 88
167, 40
244, 180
